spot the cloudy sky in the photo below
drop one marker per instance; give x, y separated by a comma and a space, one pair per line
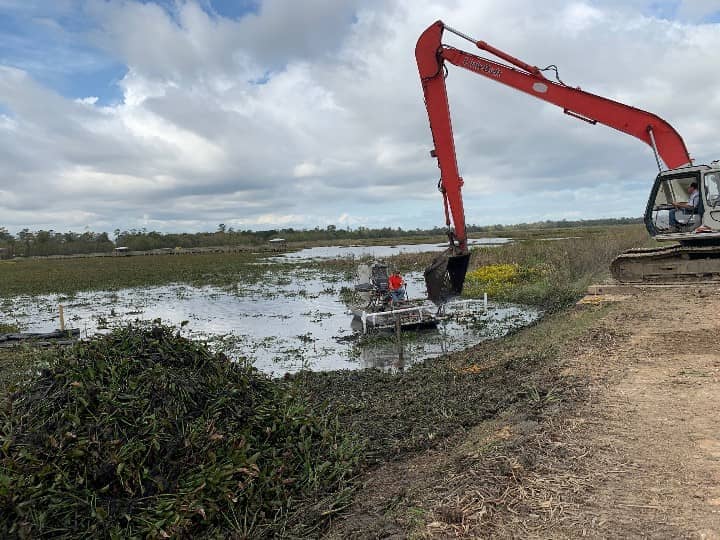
180, 115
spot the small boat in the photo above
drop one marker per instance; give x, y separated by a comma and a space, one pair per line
376, 310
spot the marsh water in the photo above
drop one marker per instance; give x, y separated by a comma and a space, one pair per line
337, 252
292, 319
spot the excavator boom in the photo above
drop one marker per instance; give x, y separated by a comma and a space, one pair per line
446, 275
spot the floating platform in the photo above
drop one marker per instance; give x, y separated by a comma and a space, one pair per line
410, 315
417, 314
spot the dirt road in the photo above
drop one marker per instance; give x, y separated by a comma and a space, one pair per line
653, 428
636, 455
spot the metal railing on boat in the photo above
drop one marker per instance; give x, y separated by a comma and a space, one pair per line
420, 310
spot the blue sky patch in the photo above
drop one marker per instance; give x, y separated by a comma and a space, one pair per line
233, 9
53, 50
264, 79
101, 83
713, 18
664, 10
50, 44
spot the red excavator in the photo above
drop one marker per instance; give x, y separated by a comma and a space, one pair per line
668, 215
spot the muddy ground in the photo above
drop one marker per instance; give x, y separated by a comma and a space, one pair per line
622, 441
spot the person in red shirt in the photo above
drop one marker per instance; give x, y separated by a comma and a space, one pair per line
396, 284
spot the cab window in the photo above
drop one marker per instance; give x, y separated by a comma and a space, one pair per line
673, 190
712, 188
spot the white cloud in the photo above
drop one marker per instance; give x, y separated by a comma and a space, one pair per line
306, 169
311, 113
90, 100
579, 17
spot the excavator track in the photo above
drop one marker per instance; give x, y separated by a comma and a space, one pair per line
670, 264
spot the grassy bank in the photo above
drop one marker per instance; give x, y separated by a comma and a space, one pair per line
472, 463
420, 407
550, 274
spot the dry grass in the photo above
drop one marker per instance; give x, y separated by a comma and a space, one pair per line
559, 271
519, 486
572, 257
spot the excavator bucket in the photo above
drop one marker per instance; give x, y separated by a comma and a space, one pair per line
445, 276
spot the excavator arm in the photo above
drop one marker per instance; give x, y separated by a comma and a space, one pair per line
446, 276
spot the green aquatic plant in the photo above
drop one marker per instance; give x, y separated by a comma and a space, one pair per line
143, 433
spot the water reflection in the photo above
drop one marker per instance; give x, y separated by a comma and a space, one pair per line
385, 357
455, 332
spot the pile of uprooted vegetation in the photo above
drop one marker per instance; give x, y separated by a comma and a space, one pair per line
142, 433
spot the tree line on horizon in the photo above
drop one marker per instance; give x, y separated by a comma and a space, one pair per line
27, 243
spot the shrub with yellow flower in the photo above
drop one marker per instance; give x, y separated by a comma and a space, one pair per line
494, 279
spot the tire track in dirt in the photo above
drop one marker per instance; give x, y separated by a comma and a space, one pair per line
654, 430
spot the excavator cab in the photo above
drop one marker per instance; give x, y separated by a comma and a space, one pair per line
666, 222
695, 254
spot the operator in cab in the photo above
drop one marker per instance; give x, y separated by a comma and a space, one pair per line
687, 209
396, 285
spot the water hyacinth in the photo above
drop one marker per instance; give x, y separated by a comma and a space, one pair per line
143, 433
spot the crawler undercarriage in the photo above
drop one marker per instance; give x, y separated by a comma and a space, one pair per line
676, 263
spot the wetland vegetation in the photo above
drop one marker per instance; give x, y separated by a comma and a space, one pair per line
551, 274
287, 311
67, 276
201, 447
120, 414
571, 261
27, 243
